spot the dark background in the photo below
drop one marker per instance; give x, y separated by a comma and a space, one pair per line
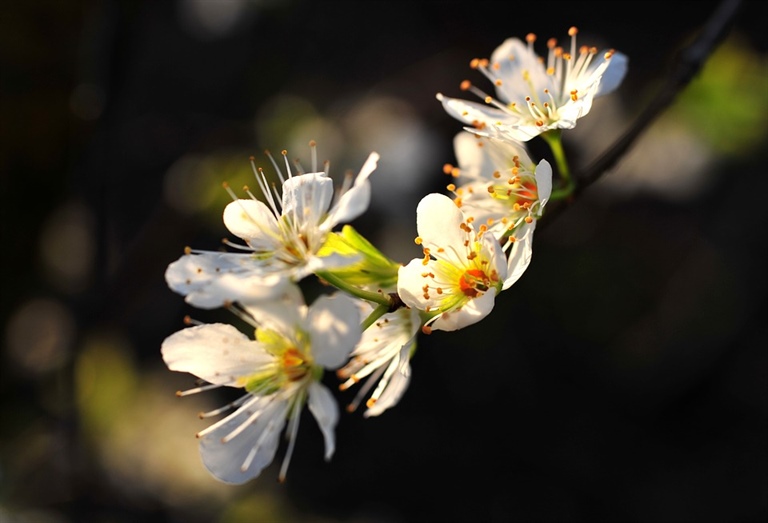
622, 379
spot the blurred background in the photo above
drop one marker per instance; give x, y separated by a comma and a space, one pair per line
623, 378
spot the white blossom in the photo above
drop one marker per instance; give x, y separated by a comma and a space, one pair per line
504, 192
280, 371
534, 94
282, 237
462, 270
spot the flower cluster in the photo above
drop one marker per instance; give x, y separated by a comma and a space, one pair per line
476, 241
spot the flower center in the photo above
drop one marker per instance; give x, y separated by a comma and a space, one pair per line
293, 365
473, 282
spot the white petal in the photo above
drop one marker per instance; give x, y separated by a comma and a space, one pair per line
398, 382
482, 206
254, 222
493, 252
409, 285
192, 272
217, 353
352, 204
238, 287
283, 313
502, 153
306, 198
543, 175
524, 130
438, 222
323, 406
519, 258
471, 156
515, 59
209, 280
614, 74
572, 111
391, 396
225, 460
472, 312
355, 201
333, 323
470, 112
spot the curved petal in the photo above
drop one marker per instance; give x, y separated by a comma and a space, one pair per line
398, 376
244, 456
522, 131
521, 68
519, 258
543, 175
217, 353
472, 312
334, 329
191, 272
439, 224
572, 111
614, 74
470, 155
493, 252
352, 204
284, 313
506, 153
324, 408
478, 204
355, 201
208, 280
306, 197
409, 285
471, 112
254, 222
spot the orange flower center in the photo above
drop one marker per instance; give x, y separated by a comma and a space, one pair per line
293, 364
473, 282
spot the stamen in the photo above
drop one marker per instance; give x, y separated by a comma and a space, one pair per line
349, 177
293, 429
261, 179
233, 245
230, 191
244, 425
313, 147
250, 401
232, 404
210, 386
287, 163
190, 321
274, 164
364, 388
240, 313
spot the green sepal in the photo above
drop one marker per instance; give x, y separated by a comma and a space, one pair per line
373, 269
264, 383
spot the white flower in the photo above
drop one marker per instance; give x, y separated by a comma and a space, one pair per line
280, 371
383, 357
462, 270
534, 95
282, 238
505, 193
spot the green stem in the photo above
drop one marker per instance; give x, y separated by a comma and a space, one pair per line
377, 313
554, 140
339, 283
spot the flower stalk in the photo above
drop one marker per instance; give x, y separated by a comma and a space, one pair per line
555, 142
